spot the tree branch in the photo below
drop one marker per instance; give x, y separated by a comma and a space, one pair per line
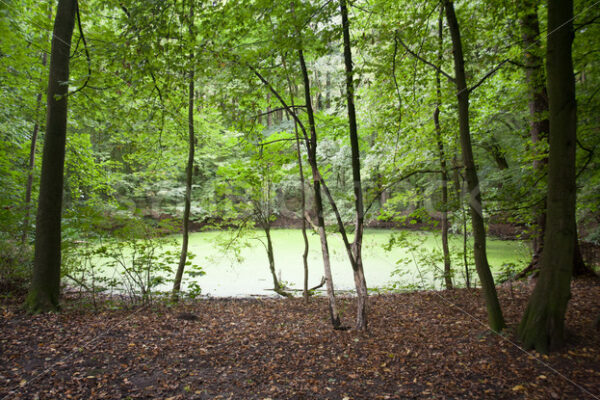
486, 76
87, 53
584, 24
287, 108
403, 177
277, 140
277, 109
418, 57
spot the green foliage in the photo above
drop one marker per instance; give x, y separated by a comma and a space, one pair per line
16, 262
428, 262
127, 129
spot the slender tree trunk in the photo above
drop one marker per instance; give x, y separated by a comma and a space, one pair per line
327, 90
459, 193
32, 149
31, 165
189, 174
442, 156
302, 192
277, 288
542, 326
538, 105
495, 318
45, 286
271, 257
357, 266
312, 159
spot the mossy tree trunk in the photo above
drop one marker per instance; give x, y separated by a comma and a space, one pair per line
45, 286
542, 326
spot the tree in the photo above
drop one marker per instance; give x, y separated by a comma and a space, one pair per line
538, 103
302, 190
542, 326
45, 286
32, 151
311, 148
495, 318
442, 156
356, 254
189, 170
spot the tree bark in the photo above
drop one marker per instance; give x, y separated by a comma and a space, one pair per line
32, 149
189, 171
305, 289
442, 156
357, 265
31, 165
538, 106
495, 318
542, 326
312, 159
45, 286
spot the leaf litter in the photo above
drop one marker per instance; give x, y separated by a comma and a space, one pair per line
420, 345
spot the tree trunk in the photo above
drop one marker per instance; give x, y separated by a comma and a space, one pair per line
45, 286
442, 156
312, 159
189, 172
357, 266
302, 201
538, 106
495, 318
302, 193
31, 165
271, 257
542, 326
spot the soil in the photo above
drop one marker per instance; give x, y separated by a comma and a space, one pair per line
420, 345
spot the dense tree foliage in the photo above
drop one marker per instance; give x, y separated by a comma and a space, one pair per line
331, 115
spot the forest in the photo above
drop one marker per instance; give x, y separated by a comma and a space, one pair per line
338, 199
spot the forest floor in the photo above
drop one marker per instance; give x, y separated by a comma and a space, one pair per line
428, 344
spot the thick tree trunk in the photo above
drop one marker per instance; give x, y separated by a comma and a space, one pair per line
312, 159
542, 326
495, 318
357, 266
189, 173
45, 286
442, 156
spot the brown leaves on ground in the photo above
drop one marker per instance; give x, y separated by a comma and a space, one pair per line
419, 345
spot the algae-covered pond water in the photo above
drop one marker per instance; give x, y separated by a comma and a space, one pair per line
248, 274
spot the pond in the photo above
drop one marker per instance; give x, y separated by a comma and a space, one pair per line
248, 273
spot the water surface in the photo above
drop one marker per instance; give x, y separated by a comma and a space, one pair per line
247, 273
